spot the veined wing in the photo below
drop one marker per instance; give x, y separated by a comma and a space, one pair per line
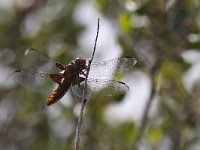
100, 87
39, 62
105, 69
36, 81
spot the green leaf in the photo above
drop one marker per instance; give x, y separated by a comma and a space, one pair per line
125, 23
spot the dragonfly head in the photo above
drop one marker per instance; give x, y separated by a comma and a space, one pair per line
80, 61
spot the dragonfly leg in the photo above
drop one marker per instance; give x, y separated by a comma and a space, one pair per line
83, 73
60, 66
78, 80
56, 77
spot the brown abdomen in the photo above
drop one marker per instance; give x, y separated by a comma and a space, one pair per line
57, 94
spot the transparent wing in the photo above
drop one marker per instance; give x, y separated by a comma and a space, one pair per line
100, 87
106, 69
38, 62
38, 82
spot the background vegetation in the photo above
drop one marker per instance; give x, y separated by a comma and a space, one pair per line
163, 35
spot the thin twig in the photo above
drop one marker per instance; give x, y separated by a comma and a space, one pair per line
84, 100
144, 121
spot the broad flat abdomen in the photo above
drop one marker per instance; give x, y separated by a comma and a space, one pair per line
57, 94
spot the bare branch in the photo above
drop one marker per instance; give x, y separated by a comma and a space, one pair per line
84, 100
145, 117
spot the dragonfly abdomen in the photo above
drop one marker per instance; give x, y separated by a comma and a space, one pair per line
57, 94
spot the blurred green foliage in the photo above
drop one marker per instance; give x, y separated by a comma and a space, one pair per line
155, 32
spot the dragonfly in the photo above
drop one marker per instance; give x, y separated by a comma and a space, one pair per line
43, 71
